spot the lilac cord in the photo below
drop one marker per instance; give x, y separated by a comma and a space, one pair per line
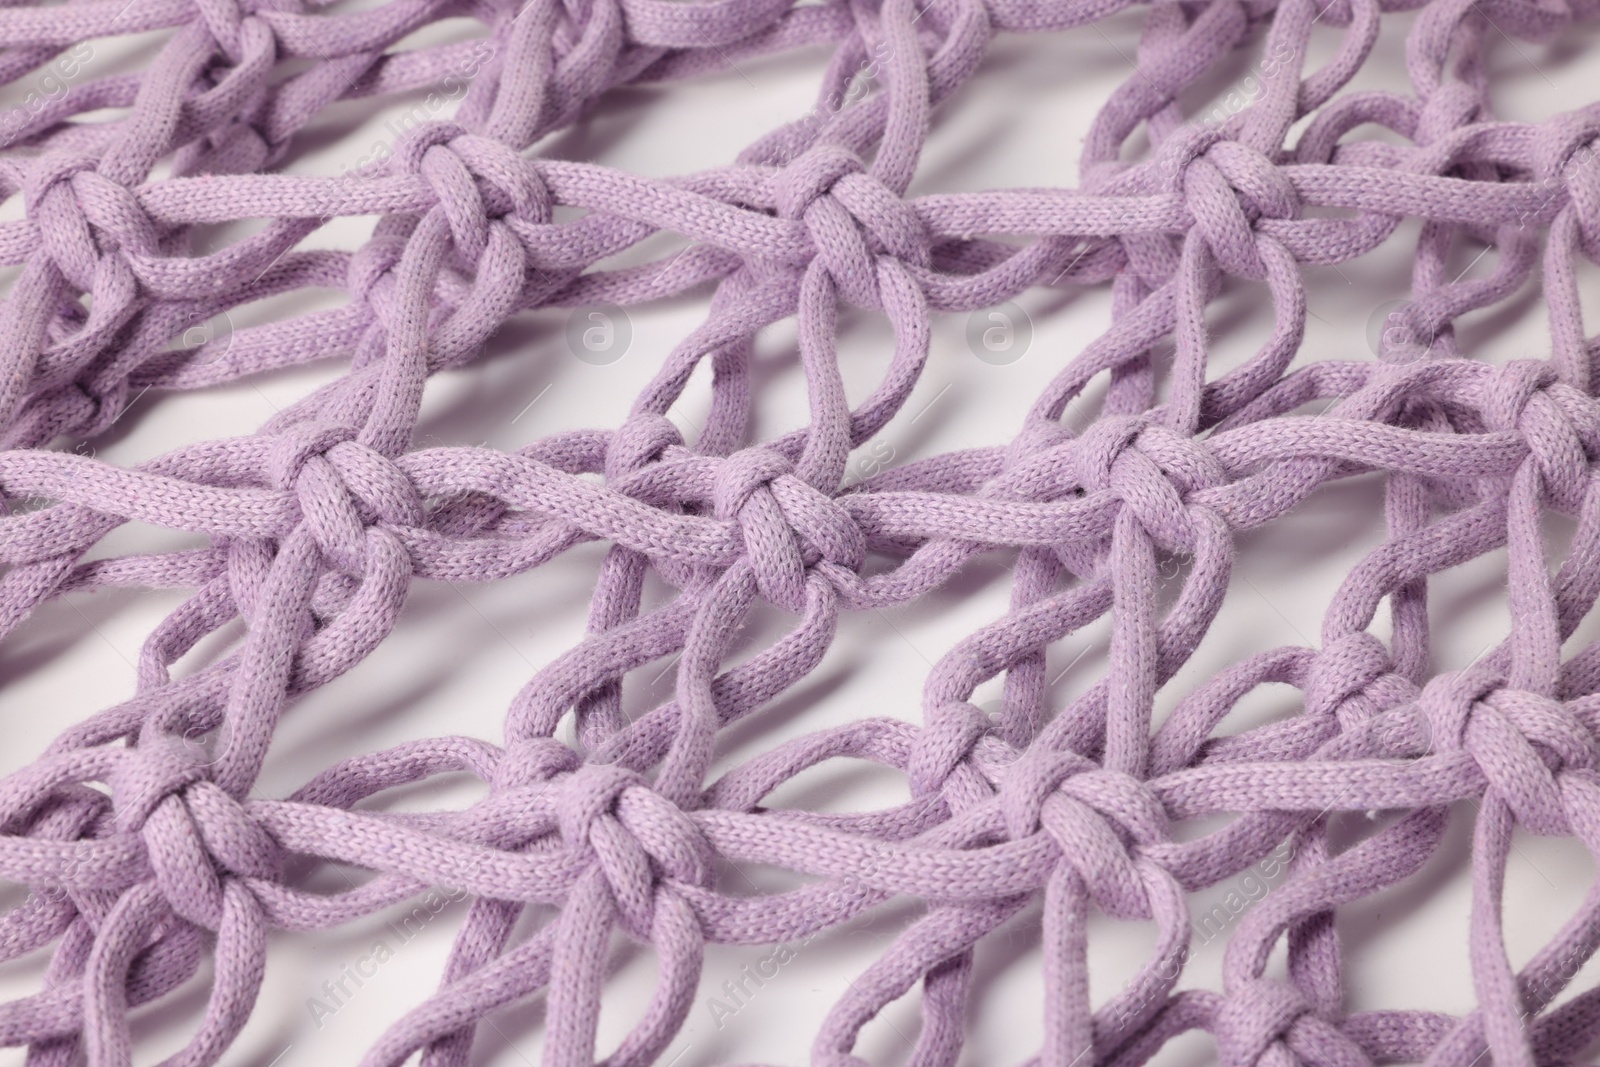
318, 524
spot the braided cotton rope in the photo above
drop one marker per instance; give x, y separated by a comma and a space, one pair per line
318, 524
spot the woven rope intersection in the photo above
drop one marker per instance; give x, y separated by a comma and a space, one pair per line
146, 863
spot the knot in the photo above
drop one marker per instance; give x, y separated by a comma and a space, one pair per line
786, 525
343, 488
1521, 741
165, 764
426, 152
636, 836
1255, 1015
1506, 393
533, 759
1227, 187
84, 217
298, 445
196, 836
102, 398
637, 442
476, 180
852, 218
52, 172
1096, 817
1152, 469
510, 184
811, 175
944, 744
1447, 702
1519, 397
250, 142
588, 793
1341, 672
1031, 778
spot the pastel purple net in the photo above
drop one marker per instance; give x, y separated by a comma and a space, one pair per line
144, 862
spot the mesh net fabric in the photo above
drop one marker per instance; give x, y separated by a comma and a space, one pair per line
146, 863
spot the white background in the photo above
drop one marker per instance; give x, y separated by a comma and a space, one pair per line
460, 653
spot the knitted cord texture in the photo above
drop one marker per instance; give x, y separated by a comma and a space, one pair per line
144, 859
